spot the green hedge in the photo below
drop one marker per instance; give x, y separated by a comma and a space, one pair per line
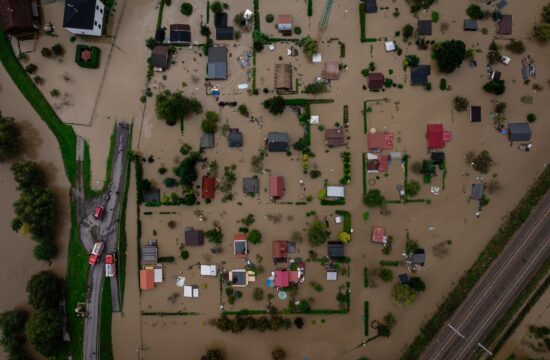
365, 277
509, 226
64, 133
309, 8
333, 202
366, 319
94, 61
347, 219
362, 20
389, 263
365, 116
179, 313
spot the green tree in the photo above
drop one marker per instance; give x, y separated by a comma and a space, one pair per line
187, 169
546, 14
515, 46
404, 294
213, 354
169, 182
449, 55
483, 162
210, 122
411, 60
27, 174
12, 326
309, 46
317, 233
374, 198
407, 31
460, 103
254, 236
36, 210
10, 142
44, 331
384, 330
275, 105
215, 236
186, 8
542, 31
417, 284
496, 87
475, 12
412, 188
45, 250
386, 275
278, 354
389, 320
216, 7
173, 106
44, 290
184, 254
243, 110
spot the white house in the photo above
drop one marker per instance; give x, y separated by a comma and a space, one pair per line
84, 17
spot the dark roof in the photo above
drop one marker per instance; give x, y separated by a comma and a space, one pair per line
152, 195
238, 277
277, 141
501, 4
79, 14
477, 191
217, 62
424, 27
240, 247
404, 278
224, 33
220, 20
194, 237
375, 81
370, 6
180, 34
207, 141
437, 157
419, 257
519, 131
251, 185
496, 76
148, 254
505, 25
335, 249
475, 113
419, 74
335, 137
160, 35
470, 25
159, 57
16, 17
235, 138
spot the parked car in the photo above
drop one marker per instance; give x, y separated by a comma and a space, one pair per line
97, 250
505, 60
98, 214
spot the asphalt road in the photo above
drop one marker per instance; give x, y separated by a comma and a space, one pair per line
497, 289
91, 230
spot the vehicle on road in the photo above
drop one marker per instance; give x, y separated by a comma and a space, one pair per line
98, 214
505, 60
109, 265
97, 250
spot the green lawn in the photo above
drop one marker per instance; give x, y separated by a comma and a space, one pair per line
89, 192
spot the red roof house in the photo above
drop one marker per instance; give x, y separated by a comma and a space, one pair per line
437, 136
279, 251
208, 189
276, 186
146, 279
379, 141
378, 235
375, 81
281, 278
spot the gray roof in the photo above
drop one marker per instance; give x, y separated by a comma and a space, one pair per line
79, 14
239, 278
235, 138
207, 141
277, 141
180, 34
404, 278
370, 6
520, 131
419, 257
194, 237
159, 57
251, 185
424, 27
148, 254
152, 195
477, 191
224, 33
419, 74
335, 249
217, 62
240, 247
470, 25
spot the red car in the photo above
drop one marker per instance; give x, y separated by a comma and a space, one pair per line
98, 214
96, 252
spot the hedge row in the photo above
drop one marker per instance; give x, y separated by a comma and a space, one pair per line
93, 63
362, 21
366, 320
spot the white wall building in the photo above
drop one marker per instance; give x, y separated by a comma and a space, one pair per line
84, 17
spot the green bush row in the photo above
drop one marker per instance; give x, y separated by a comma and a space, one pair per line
362, 21
333, 202
389, 263
365, 277
366, 318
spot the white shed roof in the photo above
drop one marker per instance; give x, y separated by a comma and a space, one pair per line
209, 270
335, 191
158, 275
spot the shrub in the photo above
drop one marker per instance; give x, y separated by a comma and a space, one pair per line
314, 174
205, 30
460, 103
275, 105
213, 354
374, 198
297, 30
31, 68
407, 31
412, 188
216, 7
496, 87
389, 320
258, 294
386, 275
170, 182
475, 12
404, 294
184, 254
443, 84
365, 72
279, 354
531, 117
316, 88
449, 55
58, 50
515, 46
186, 8
46, 52
269, 18
254, 236
417, 284
435, 16
411, 60
243, 110
185, 149
483, 162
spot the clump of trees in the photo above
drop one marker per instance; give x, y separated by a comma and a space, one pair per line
475, 12
243, 322
35, 210
12, 333
309, 46
496, 87
275, 105
317, 233
515, 46
417, 5
173, 106
412, 188
542, 29
405, 294
187, 169
10, 142
449, 55
210, 122
374, 198
483, 162
460, 103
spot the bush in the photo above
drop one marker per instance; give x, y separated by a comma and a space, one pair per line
46, 52
297, 30
254, 236
531, 117
386, 275
412, 188
186, 9
407, 31
216, 7
275, 105
46, 250
435, 16
389, 320
443, 84
365, 72
58, 50
496, 87
475, 12
449, 55
483, 162
185, 149
269, 18
31, 68
515, 46
314, 174
170, 182
166, 259
258, 294
243, 110
317, 233
460, 103
417, 284
404, 294
374, 198
184, 254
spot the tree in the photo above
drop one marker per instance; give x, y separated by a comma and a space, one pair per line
542, 31
531, 117
404, 294
216, 7
310, 46
496, 87
449, 55
275, 105
186, 9
475, 12
254, 236
31, 68
460, 103
483, 162
215, 236
10, 142
384, 330
417, 284
278, 354
411, 60
317, 233
46, 52
515, 46
27, 174
386, 275
299, 322
412, 188
169, 182
187, 169
258, 294
407, 31
546, 14
184, 254
210, 122
45, 250
243, 110
493, 55
374, 198
36, 209
172, 107
58, 50
12, 326
389, 320
44, 331
316, 88
44, 290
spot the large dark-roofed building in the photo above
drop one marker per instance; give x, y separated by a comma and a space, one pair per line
217, 63
16, 17
370, 6
224, 33
194, 237
475, 113
519, 131
180, 34
84, 17
470, 25
419, 74
505, 25
335, 249
424, 27
277, 142
251, 185
235, 138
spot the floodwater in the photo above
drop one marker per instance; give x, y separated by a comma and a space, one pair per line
450, 216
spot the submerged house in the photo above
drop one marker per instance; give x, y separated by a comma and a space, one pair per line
424, 27
375, 81
475, 113
241, 277
180, 34
283, 77
332, 71
280, 254
419, 74
208, 188
335, 192
84, 17
217, 63
240, 245
276, 187
193, 237
477, 191
284, 24
16, 17
335, 250
277, 142
519, 132
235, 138
149, 253
470, 25
159, 58
437, 137
379, 235
379, 141
505, 25
335, 137
370, 6
146, 279
251, 185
